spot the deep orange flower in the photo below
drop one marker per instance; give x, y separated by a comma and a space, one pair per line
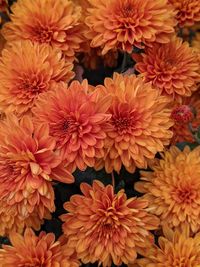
48, 21
28, 163
27, 70
30, 250
125, 23
76, 120
103, 226
139, 126
175, 248
173, 68
181, 129
188, 11
173, 187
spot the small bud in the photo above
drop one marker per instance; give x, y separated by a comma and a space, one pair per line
182, 114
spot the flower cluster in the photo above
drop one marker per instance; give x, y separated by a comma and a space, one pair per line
99, 133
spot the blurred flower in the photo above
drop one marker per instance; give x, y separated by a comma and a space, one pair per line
28, 163
175, 248
92, 59
103, 226
76, 120
27, 70
173, 68
173, 187
59, 27
188, 11
121, 24
139, 126
30, 250
3, 6
181, 131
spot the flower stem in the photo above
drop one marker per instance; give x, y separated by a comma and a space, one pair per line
124, 62
194, 132
113, 179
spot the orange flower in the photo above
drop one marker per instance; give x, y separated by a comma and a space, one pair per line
30, 250
105, 227
28, 163
76, 120
180, 129
188, 11
175, 248
48, 21
139, 126
27, 70
125, 23
173, 187
173, 68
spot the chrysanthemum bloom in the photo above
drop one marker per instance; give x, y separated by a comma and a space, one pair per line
188, 11
139, 126
76, 120
125, 23
107, 227
175, 248
190, 114
173, 68
28, 163
32, 250
27, 70
59, 27
173, 187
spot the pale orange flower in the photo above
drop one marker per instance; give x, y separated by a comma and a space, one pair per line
123, 24
32, 250
139, 126
106, 227
175, 248
173, 68
188, 11
27, 70
28, 163
173, 187
54, 22
181, 130
76, 120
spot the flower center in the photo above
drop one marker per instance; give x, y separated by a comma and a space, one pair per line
42, 34
122, 124
126, 9
33, 86
184, 195
124, 121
